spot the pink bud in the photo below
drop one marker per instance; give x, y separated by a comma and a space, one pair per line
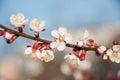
115, 42
105, 56
97, 51
11, 39
76, 53
1, 32
82, 56
90, 42
35, 46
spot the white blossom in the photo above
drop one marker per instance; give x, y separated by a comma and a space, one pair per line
18, 20
72, 59
46, 55
83, 39
61, 38
37, 26
30, 53
114, 53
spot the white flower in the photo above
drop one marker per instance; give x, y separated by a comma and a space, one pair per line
61, 38
30, 53
101, 49
37, 26
18, 20
114, 53
46, 55
72, 59
83, 39
7, 35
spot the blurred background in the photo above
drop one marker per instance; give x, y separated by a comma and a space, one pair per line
100, 17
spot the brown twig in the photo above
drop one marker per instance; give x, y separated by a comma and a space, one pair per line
42, 40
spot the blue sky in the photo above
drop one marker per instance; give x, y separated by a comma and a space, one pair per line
70, 13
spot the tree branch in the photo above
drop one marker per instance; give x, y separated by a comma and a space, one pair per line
42, 40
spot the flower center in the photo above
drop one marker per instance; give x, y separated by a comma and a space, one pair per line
115, 55
35, 24
73, 62
32, 55
15, 19
46, 57
61, 38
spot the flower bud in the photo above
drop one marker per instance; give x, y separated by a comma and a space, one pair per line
11, 39
105, 56
115, 42
100, 50
1, 32
35, 46
82, 56
90, 42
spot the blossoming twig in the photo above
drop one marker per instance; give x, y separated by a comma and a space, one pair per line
43, 49
42, 40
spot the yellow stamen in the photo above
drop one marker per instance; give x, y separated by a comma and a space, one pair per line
33, 56
73, 62
115, 55
61, 38
15, 19
46, 57
35, 23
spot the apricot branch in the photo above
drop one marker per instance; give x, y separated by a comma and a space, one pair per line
43, 49
42, 40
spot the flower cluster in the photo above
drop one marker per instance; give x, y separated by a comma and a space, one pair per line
37, 26
84, 40
113, 53
43, 49
76, 57
61, 36
8, 36
40, 51
18, 20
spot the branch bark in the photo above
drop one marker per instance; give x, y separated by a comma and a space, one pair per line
42, 40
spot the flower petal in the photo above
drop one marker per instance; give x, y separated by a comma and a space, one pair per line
7, 35
38, 54
61, 46
55, 34
80, 43
116, 47
53, 45
109, 52
62, 31
41, 25
28, 50
101, 49
51, 54
68, 38
20, 16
